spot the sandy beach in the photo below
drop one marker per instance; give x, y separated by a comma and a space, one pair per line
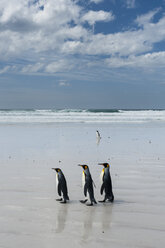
31, 217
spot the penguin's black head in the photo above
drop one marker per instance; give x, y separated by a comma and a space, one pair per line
84, 166
104, 164
56, 169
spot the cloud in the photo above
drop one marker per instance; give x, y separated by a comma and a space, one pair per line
94, 16
25, 26
154, 60
57, 28
145, 19
96, 1
126, 43
33, 68
56, 31
63, 83
58, 66
130, 4
4, 69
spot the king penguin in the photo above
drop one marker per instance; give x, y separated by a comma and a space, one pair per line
61, 185
106, 183
88, 185
98, 134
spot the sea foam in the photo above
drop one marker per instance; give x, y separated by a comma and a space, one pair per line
80, 116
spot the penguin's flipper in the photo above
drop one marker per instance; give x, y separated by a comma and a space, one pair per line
85, 189
59, 189
102, 188
94, 184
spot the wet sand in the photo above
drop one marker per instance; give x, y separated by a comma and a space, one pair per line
29, 214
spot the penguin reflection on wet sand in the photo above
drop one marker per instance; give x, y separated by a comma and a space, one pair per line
61, 185
106, 183
88, 185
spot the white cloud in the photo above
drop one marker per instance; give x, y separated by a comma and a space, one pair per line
133, 42
130, 3
58, 66
96, 1
94, 16
4, 69
124, 44
63, 83
148, 60
32, 68
145, 19
55, 30
57, 12
25, 26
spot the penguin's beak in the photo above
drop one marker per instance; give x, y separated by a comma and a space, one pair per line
100, 164
79, 165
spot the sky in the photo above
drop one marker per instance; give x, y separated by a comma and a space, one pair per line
82, 54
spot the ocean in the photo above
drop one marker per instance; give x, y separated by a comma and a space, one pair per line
80, 116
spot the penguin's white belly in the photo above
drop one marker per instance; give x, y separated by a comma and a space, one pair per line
57, 181
83, 179
101, 175
83, 184
98, 135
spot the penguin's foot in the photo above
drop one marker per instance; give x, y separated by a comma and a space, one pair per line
83, 201
110, 198
102, 201
60, 199
63, 202
89, 204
